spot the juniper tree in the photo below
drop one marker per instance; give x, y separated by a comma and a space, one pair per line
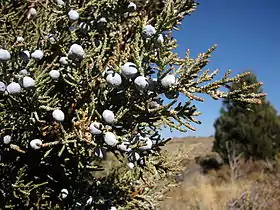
252, 130
80, 79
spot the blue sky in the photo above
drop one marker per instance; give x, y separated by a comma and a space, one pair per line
247, 33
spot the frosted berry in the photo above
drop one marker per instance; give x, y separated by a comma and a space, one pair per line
126, 14
36, 144
76, 52
20, 39
7, 139
37, 55
131, 7
102, 20
124, 146
130, 165
32, 11
24, 55
13, 88
129, 70
134, 156
28, 82
84, 27
106, 72
63, 60
58, 115
154, 104
110, 139
23, 72
73, 15
60, 2
2, 87
147, 144
99, 152
114, 80
141, 83
168, 81
64, 193
148, 31
51, 38
4, 55
54, 74
96, 128
141, 161
101, 23
160, 39
136, 138
108, 116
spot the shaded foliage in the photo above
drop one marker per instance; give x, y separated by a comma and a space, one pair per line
250, 129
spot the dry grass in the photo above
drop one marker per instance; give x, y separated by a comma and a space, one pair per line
178, 154
257, 187
202, 194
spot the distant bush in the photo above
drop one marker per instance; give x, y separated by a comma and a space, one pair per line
252, 130
211, 161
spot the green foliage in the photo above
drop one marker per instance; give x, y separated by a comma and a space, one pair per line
249, 129
71, 141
